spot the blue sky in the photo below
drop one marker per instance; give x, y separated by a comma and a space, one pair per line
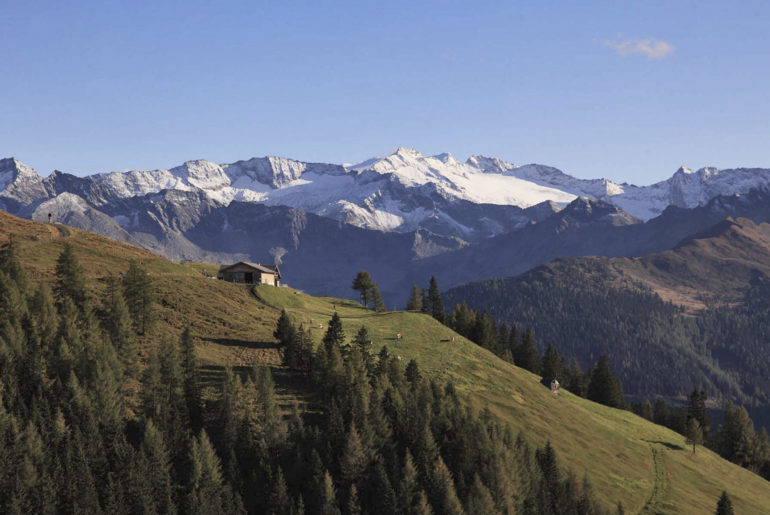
623, 90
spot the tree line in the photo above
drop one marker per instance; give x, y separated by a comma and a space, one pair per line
735, 440
394, 441
87, 426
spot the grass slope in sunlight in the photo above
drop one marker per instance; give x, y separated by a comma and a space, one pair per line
645, 466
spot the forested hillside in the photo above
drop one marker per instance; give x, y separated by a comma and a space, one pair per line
131, 384
710, 332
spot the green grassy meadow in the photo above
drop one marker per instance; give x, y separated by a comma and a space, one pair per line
646, 467
629, 459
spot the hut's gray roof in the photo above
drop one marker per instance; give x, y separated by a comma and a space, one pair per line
268, 269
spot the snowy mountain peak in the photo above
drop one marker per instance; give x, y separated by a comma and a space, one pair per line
202, 174
407, 152
11, 169
447, 158
490, 164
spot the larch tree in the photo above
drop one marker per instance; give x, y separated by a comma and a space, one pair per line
415, 300
140, 297
693, 434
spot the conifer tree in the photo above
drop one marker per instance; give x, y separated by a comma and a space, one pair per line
354, 505
140, 297
207, 492
334, 336
442, 489
382, 497
725, 505
484, 333
604, 387
577, 379
71, 282
526, 355
735, 436
303, 350
379, 303
328, 500
353, 461
159, 469
408, 486
362, 340
363, 285
551, 365
413, 372
696, 409
462, 319
191, 379
436, 304
280, 503
284, 330
415, 300
694, 434
479, 498
426, 307
119, 327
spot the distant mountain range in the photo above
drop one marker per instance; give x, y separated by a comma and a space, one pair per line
403, 217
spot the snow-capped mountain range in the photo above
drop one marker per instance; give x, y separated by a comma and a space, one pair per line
401, 192
403, 217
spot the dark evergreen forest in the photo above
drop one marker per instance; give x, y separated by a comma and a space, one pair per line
95, 419
653, 346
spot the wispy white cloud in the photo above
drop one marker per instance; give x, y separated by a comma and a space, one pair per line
652, 48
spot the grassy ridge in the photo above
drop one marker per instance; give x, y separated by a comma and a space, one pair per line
232, 327
647, 467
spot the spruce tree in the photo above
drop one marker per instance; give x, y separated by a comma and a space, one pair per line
284, 330
526, 355
724, 505
362, 340
735, 436
604, 387
415, 300
436, 304
426, 307
334, 336
551, 364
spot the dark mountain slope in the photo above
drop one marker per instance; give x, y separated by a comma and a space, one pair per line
624, 307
